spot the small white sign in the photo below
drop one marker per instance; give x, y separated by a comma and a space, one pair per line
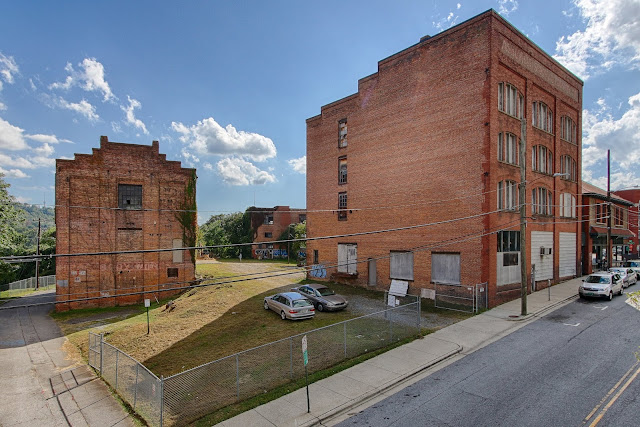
398, 288
147, 302
391, 301
304, 343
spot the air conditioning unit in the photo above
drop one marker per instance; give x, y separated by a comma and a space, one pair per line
543, 251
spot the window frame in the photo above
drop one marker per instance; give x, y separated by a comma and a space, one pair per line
508, 148
510, 100
568, 129
542, 117
342, 136
342, 206
342, 165
508, 195
542, 201
125, 194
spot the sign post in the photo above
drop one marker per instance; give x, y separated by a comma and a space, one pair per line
147, 303
305, 356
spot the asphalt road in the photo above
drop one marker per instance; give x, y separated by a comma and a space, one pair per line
575, 366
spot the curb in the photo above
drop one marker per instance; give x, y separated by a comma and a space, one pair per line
543, 310
344, 408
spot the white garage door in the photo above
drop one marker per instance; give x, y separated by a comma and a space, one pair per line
567, 263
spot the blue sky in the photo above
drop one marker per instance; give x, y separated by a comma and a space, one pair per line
226, 87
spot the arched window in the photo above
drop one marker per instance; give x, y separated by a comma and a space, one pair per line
568, 129
510, 100
542, 117
508, 148
568, 166
542, 159
507, 195
567, 205
542, 201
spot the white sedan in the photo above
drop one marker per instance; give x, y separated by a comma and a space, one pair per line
603, 284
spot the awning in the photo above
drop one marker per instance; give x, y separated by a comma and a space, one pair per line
615, 232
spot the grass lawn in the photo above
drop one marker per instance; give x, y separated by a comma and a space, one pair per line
17, 293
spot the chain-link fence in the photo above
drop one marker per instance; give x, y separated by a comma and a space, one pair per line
466, 298
30, 283
192, 394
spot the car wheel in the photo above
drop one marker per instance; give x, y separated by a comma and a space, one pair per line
621, 290
266, 305
320, 307
283, 316
610, 295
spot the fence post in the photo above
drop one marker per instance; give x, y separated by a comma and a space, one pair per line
161, 400
390, 330
117, 354
418, 309
101, 352
345, 339
291, 355
135, 390
237, 376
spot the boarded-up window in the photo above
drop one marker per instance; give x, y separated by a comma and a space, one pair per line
177, 255
172, 272
445, 268
347, 258
401, 266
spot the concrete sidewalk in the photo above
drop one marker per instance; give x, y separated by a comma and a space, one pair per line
335, 398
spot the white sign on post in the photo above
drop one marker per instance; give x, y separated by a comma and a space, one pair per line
304, 343
147, 302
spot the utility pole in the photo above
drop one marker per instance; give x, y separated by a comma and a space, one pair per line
609, 252
523, 216
288, 243
38, 258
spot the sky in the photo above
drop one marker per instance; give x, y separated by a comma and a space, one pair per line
226, 87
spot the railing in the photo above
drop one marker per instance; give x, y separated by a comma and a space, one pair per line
192, 394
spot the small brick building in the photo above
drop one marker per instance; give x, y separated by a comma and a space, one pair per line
268, 224
433, 136
632, 195
123, 197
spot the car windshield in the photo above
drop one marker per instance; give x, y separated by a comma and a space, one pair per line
632, 264
598, 279
325, 292
301, 303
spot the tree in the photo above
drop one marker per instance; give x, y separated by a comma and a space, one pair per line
10, 217
228, 229
295, 231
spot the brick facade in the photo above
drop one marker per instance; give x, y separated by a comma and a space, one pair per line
90, 217
633, 195
422, 147
268, 224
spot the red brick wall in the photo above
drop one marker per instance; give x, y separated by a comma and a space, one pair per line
87, 221
632, 195
422, 148
283, 216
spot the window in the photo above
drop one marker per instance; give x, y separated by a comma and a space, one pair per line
567, 205
445, 268
542, 117
510, 101
342, 206
568, 166
342, 170
601, 213
401, 265
542, 159
342, 133
542, 201
130, 196
618, 217
508, 148
568, 130
302, 218
268, 234
315, 256
172, 272
508, 241
268, 219
507, 195
347, 258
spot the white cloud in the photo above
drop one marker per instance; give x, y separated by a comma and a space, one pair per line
116, 127
50, 139
611, 35
236, 171
299, 165
447, 22
90, 77
83, 107
3, 107
131, 118
505, 7
11, 137
13, 173
8, 68
458, 6
208, 137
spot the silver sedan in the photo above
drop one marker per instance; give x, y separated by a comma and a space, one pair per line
290, 305
323, 298
603, 284
628, 275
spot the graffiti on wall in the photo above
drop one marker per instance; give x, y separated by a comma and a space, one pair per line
318, 270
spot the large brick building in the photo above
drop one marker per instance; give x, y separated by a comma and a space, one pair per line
123, 197
268, 224
633, 195
433, 136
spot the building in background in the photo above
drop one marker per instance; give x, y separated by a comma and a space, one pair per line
595, 227
433, 136
268, 224
632, 195
123, 197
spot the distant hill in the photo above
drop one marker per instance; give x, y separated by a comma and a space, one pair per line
29, 227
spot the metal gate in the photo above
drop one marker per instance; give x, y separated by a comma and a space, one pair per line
465, 298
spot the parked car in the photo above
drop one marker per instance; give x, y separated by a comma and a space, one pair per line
322, 297
633, 264
290, 305
603, 284
629, 277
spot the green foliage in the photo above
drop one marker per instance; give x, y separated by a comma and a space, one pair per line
228, 229
10, 217
187, 216
295, 231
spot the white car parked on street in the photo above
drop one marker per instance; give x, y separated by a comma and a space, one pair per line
599, 285
629, 276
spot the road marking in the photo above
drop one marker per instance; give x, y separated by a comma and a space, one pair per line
611, 402
569, 324
600, 307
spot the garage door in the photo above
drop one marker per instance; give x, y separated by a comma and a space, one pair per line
567, 262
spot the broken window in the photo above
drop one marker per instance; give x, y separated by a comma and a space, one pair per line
342, 206
268, 234
172, 272
129, 196
342, 170
342, 133
268, 219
